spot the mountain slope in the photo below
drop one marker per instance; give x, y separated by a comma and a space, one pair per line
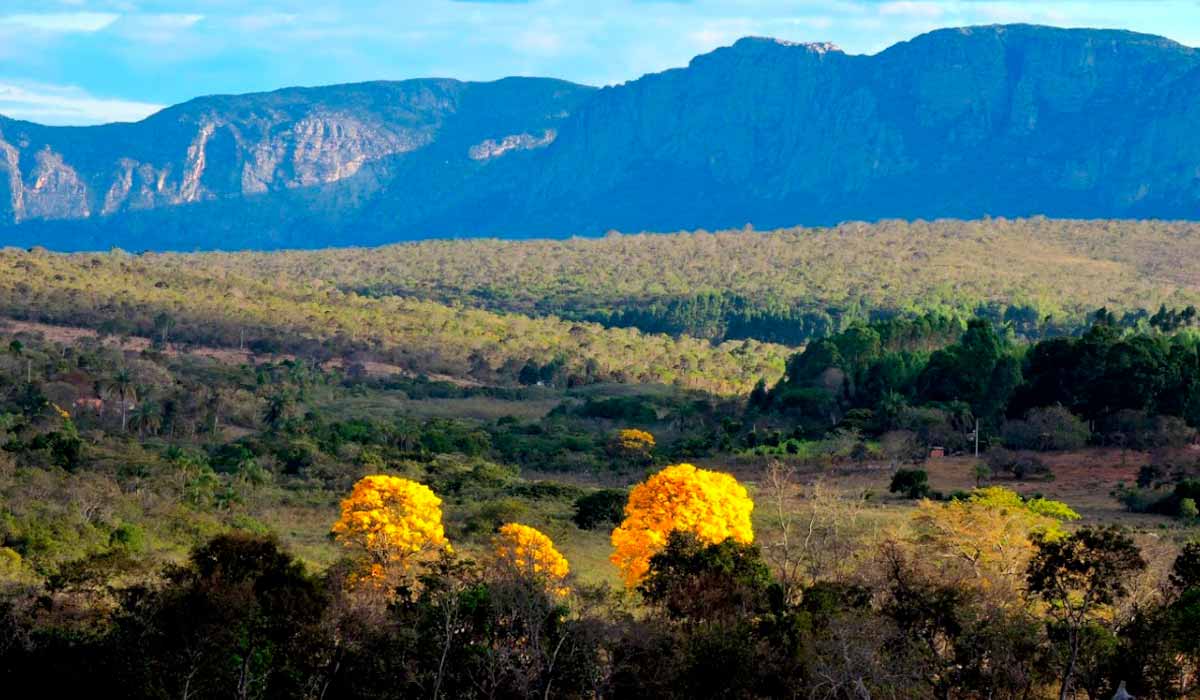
1003, 120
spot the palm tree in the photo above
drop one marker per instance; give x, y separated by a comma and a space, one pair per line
146, 417
279, 405
122, 386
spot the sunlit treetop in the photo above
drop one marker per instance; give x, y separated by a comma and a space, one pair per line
391, 520
633, 439
528, 552
991, 532
711, 505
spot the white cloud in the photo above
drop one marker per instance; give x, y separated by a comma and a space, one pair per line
65, 105
62, 22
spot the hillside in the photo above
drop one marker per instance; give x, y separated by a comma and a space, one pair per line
1010, 120
186, 299
787, 285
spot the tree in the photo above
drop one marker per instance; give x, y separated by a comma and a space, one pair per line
605, 506
146, 417
240, 619
279, 407
122, 386
711, 505
529, 554
693, 581
1079, 577
989, 536
1185, 572
162, 327
632, 445
391, 522
912, 483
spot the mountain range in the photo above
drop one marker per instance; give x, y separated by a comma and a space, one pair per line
1006, 120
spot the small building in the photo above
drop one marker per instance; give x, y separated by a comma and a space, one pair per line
937, 452
89, 404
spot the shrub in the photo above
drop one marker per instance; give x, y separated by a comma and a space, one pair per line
601, 508
629, 409
1150, 475
911, 483
1020, 466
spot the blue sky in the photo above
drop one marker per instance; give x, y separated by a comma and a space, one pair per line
90, 61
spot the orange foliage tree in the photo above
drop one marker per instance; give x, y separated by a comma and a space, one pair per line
391, 521
711, 505
530, 553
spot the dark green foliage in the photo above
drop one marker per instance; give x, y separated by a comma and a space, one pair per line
1078, 575
692, 581
911, 483
627, 409
1019, 465
600, 509
1185, 572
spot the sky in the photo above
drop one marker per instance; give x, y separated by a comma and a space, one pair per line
76, 62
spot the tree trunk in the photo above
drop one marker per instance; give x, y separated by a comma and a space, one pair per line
1066, 684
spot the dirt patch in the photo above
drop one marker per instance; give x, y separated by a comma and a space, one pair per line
1084, 479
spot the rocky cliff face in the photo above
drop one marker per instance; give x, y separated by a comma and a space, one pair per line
239, 146
1004, 120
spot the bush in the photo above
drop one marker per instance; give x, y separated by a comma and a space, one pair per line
604, 507
1150, 475
1176, 503
1050, 428
911, 483
628, 409
1020, 466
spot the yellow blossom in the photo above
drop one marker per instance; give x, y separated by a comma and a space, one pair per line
391, 521
529, 552
711, 505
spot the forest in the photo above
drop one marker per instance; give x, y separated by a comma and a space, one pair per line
637, 473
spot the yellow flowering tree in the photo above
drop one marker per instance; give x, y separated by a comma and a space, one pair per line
528, 552
711, 505
989, 536
632, 445
391, 521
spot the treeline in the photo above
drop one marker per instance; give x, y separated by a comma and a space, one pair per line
1132, 388
1101, 376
